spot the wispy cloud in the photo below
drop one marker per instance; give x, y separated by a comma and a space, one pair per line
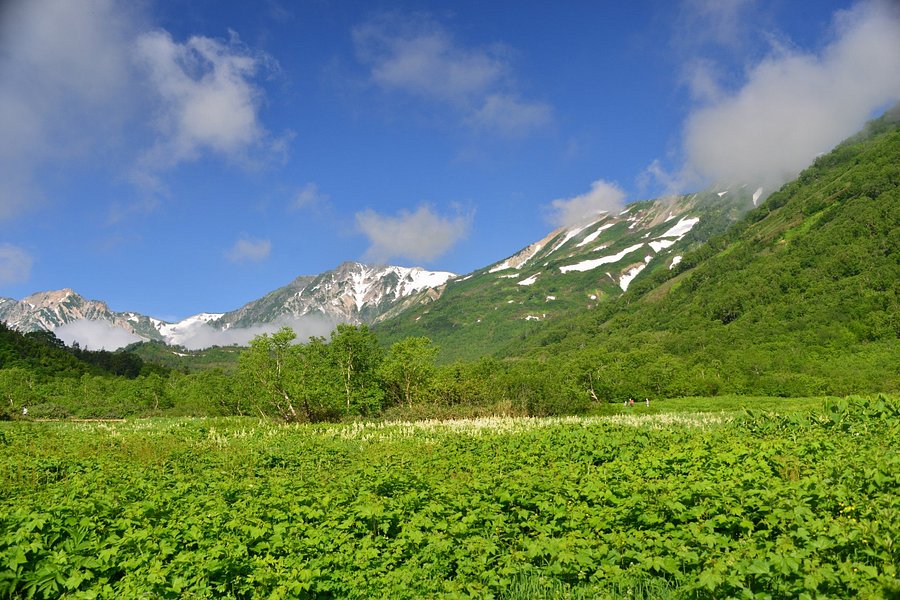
421, 235
249, 250
63, 88
721, 23
309, 197
15, 264
511, 116
418, 57
604, 196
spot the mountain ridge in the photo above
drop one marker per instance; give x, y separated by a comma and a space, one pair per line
575, 267
353, 292
382, 295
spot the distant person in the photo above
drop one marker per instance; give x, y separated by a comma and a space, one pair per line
24, 410
631, 402
647, 401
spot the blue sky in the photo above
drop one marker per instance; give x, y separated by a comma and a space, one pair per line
172, 157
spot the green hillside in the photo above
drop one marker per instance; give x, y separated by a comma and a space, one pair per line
181, 359
799, 297
508, 301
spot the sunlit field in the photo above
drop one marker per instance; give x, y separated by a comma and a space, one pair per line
694, 498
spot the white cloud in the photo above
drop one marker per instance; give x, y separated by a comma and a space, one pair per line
207, 97
721, 22
202, 335
511, 116
795, 105
420, 58
79, 79
309, 197
604, 196
64, 79
95, 335
422, 235
15, 264
249, 250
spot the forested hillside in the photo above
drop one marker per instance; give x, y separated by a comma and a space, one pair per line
573, 269
800, 297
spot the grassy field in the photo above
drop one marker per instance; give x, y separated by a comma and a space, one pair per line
689, 498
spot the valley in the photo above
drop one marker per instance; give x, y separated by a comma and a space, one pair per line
692, 396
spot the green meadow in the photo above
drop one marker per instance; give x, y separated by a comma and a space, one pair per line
689, 498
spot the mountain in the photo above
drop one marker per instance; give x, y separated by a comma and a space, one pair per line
352, 293
800, 297
45, 311
573, 269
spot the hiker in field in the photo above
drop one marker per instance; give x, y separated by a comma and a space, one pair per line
631, 402
647, 400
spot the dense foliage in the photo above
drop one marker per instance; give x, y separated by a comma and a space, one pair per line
645, 504
347, 376
799, 298
179, 358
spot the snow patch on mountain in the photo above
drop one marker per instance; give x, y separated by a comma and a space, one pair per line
681, 228
587, 265
175, 332
593, 236
529, 280
571, 233
661, 244
629, 276
756, 195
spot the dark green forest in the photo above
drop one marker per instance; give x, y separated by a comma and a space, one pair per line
798, 298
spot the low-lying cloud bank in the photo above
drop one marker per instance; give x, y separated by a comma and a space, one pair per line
102, 335
202, 335
794, 105
95, 335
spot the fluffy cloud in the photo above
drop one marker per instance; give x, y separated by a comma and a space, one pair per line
78, 79
603, 196
422, 235
15, 264
249, 250
95, 335
795, 105
207, 98
421, 59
